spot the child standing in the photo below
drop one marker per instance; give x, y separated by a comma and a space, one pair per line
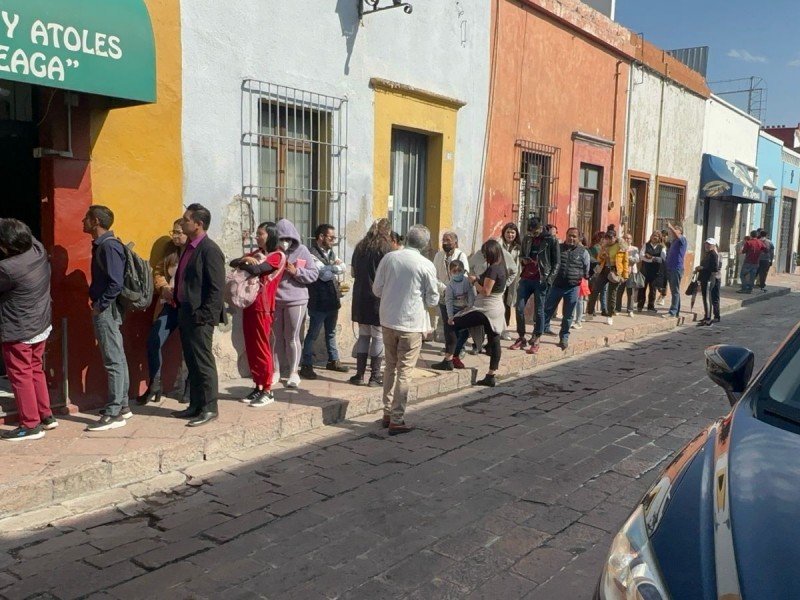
460, 294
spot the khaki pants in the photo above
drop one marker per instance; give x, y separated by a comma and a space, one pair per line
401, 352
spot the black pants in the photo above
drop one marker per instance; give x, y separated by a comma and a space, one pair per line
200, 362
710, 292
763, 271
453, 340
648, 291
478, 319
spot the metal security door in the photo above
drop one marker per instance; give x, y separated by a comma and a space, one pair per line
785, 238
408, 181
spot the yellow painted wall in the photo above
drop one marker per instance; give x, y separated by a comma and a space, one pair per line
416, 111
136, 162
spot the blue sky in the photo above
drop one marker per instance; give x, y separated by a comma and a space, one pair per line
745, 39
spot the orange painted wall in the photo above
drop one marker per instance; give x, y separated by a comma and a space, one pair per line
550, 79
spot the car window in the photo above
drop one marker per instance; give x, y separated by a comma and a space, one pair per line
786, 386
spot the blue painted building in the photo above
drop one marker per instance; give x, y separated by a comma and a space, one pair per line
779, 177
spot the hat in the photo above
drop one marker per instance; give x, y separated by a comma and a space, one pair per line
711, 241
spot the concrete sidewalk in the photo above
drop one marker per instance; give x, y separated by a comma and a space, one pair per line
69, 463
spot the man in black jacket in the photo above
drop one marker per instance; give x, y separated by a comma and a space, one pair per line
108, 272
199, 284
574, 267
539, 259
323, 303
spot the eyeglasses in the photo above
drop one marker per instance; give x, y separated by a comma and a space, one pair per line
176, 232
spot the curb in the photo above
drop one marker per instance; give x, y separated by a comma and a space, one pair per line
182, 460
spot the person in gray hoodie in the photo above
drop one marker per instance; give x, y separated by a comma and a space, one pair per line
291, 303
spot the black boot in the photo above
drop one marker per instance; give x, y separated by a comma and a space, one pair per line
152, 393
361, 368
375, 377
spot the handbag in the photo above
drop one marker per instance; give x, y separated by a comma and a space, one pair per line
614, 277
691, 289
636, 281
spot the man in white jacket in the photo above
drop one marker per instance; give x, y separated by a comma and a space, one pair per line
407, 286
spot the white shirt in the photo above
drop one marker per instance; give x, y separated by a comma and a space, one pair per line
406, 284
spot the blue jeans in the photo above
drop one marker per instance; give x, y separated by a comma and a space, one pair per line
162, 328
570, 297
526, 289
316, 320
674, 281
109, 341
749, 272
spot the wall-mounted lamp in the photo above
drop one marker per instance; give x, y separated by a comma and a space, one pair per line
368, 7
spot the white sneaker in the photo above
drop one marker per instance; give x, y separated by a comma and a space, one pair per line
577, 326
660, 302
506, 335
294, 381
630, 314
610, 320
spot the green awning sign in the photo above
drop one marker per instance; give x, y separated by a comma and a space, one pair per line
94, 46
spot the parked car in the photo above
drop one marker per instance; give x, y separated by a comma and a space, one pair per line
723, 519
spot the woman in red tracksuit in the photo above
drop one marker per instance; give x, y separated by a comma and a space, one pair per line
268, 263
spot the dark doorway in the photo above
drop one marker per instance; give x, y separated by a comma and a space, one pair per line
19, 170
637, 210
408, 179
590, 183
784, 262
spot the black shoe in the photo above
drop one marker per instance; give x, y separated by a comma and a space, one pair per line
189, 413
335, 365
23, 433
107, 422
203, 419
375, 381
488, 381
652, 309
125, 413
563, 344
255, 393
150, 395
264, 398
307, 372
604, 313
357, 380
398, 428
445, 365
49, 423
716, 320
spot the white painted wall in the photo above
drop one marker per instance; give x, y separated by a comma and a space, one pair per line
679, 153
316, 45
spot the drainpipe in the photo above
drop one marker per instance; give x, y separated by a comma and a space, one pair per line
614, 134
625, 156
658, 143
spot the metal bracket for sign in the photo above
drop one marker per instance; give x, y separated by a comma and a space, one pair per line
368, 7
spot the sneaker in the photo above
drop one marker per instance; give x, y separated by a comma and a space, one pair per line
563, 344
335, 365
668, 316
610, 321
307, 372
505, 336
488, 381
630, 314
107, 422
519, 344
294, 381
475, 350
49, 423
125, 413
445, 365
462, 354
457, 363
251, 396
357, 380
23, 433
375, 381
660, 302
588, 318
577, 325
264, 397
652, 309
533, 348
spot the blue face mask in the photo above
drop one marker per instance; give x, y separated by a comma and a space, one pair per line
458, 278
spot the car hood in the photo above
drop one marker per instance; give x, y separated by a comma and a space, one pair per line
764, 492
723, 518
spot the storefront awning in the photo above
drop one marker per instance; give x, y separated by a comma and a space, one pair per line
95, 46
727, 180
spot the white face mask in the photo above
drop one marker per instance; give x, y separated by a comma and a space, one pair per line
284, 244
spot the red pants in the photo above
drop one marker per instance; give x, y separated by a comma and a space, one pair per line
25, 370
257, 326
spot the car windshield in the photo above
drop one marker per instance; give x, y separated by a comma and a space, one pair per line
781, 381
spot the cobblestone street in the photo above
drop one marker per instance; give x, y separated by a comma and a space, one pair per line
512, 492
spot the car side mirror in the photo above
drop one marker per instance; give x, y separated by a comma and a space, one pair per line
730, 367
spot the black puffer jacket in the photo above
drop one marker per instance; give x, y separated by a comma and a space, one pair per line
548, 254
25, 307
574, 266
366, 305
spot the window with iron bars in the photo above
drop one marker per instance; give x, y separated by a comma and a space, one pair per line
294, 157
671, 201
537, 180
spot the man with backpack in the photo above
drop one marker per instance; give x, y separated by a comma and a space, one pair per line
108, 273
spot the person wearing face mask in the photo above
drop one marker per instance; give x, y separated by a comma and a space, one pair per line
291, 302
442, 261
460, 294
573, 267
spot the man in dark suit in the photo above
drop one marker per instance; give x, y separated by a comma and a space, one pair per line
199, 283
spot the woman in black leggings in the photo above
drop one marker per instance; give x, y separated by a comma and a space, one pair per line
489, 309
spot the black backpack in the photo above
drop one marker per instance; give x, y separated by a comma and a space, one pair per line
137, 284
